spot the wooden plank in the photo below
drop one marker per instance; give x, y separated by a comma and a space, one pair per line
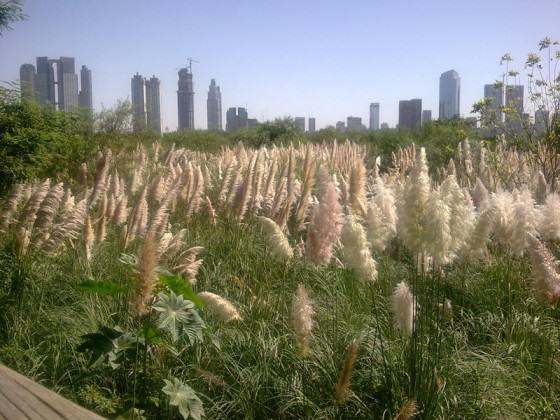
21, 398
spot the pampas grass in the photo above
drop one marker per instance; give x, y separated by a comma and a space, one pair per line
325, 224
343, 384
403, 307
356, 253
276, 238
302, 319
146, 275
221, 308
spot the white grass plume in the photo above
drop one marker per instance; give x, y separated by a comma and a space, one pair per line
220, 307
403, 307
302, 318
356, 252
276, 238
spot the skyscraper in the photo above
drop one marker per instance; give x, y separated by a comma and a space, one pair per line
514, 101
410, 114
67, 81
494, 94
449, 95
354, 123
311, 125
300, 123
56, 83
185, 99
236, 119
138, 102
340, 126
374, 116
153, 115
45, 81
214, 107
27, 81
514, 98
426, 116
85, 98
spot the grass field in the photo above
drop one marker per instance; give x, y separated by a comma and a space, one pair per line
469, 332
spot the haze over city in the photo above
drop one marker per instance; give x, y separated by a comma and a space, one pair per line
323, 60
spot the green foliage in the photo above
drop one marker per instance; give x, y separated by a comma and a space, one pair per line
179, 286
183, 397
101, 287
108, 345
34, 140
10, 11
179, 317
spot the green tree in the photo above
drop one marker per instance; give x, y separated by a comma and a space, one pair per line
10, 11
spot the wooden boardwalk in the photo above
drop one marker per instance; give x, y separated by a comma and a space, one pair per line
21, 398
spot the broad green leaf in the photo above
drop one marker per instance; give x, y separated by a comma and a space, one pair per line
185, 398
178, 316
180, 287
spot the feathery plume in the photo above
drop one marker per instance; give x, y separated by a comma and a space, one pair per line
408, 410
276, 238
480, 195
220, 307
412, 211
403, 307
308, 181
188, 265
146, 275
345, 377
89, 239
438, 231
547, 279
211, 211
68, 228
324, 227
524, 222
550, 223
10, 208
356, 188
356, 253
541, 191
302, 318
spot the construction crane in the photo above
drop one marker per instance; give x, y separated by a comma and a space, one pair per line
190, 61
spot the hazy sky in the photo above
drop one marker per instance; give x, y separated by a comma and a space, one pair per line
325, 59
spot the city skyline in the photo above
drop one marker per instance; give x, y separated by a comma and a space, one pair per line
328, 83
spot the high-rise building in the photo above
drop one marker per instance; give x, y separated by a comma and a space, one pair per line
514, 101
542, 120
340, 126
384, 126
374, 116
214, 107
311, 125
185, 99
85, 97
236, 118
56, 82
354, 123
514, 98
27, 81
410, 114
45, 81
153, 111
67, 84
252, 122
449, 95
494, 94
138, 102
300, 123
426, 116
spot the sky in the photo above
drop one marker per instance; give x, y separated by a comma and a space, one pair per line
323, 59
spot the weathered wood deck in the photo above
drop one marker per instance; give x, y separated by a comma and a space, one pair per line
21, 398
